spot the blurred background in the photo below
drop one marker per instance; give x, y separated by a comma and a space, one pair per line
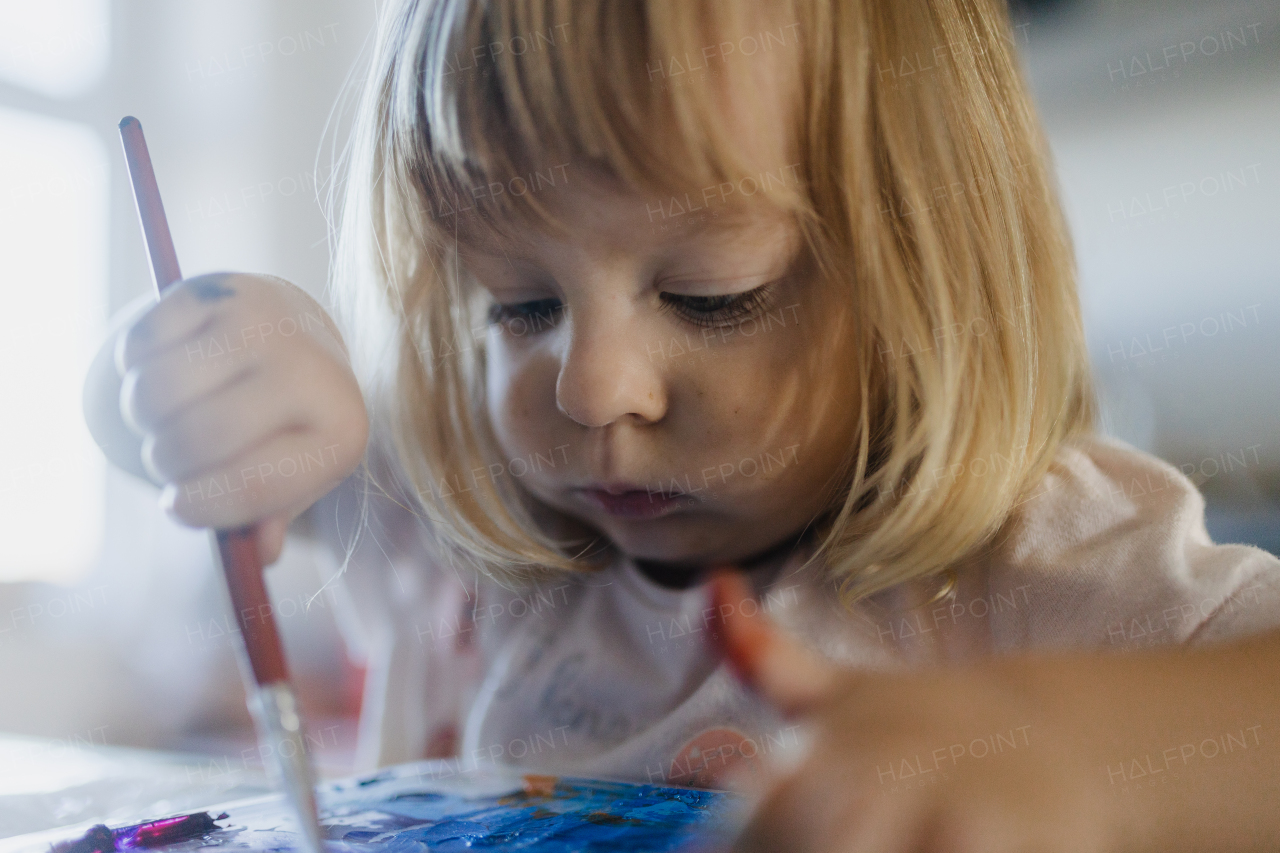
1164, 119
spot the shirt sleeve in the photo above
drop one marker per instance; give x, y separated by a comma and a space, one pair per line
1113, 552
1250, 608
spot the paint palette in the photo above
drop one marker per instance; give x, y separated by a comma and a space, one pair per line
410, 809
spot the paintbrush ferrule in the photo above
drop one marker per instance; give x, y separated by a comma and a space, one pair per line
275, 710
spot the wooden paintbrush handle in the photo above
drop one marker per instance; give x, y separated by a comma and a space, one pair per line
243, 568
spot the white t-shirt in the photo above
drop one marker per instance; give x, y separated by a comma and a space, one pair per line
610, 674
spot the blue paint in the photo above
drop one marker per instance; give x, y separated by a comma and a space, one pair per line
404, 812
579, 817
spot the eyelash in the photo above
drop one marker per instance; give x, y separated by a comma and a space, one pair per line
728, 308
528, 311
702, 311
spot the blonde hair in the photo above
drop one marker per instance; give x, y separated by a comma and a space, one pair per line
925, 195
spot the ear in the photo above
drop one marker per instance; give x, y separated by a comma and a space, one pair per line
764, 658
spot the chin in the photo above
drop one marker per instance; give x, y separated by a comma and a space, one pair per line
665, 540
682, 538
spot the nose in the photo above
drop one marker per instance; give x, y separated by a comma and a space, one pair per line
607, 371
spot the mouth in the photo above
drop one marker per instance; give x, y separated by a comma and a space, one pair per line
627, 501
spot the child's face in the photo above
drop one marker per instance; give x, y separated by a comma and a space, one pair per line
695, 365
692, 361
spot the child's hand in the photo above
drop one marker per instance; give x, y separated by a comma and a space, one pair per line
955, 762
240, 389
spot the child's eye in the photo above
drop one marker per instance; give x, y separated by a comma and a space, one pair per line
710, 311
534, 315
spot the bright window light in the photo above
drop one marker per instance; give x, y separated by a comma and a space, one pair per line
53, 274
56, 47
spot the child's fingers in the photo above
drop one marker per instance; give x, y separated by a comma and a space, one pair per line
820, 808
271, 533
159, 388
222, 427
274, 478
824, 805
183, 310
768, 661
782, 821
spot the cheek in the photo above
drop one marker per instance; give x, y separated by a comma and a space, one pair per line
791, 383
520, 397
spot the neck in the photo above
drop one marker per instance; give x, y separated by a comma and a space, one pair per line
674, 575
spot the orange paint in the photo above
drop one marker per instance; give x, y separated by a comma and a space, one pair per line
540, 786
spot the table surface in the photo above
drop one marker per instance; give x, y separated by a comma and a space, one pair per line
486, 805
51, 784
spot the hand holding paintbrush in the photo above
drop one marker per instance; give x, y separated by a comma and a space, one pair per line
241, 404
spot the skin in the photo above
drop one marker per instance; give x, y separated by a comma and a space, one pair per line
1083, 716
638, 383
233, 393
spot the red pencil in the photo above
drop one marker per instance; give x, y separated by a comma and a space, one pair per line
270, 698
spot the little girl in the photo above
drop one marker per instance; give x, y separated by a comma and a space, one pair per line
638, 289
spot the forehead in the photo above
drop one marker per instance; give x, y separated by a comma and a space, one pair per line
596, 216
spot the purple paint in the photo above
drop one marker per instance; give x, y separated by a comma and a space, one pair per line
142, 836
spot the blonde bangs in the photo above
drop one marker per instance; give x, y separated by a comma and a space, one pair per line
497, 105
924, 195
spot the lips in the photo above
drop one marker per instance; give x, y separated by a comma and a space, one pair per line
627, 501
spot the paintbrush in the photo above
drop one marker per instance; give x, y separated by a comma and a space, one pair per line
271, 699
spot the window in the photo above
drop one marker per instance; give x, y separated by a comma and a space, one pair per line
54, 184
54, 47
